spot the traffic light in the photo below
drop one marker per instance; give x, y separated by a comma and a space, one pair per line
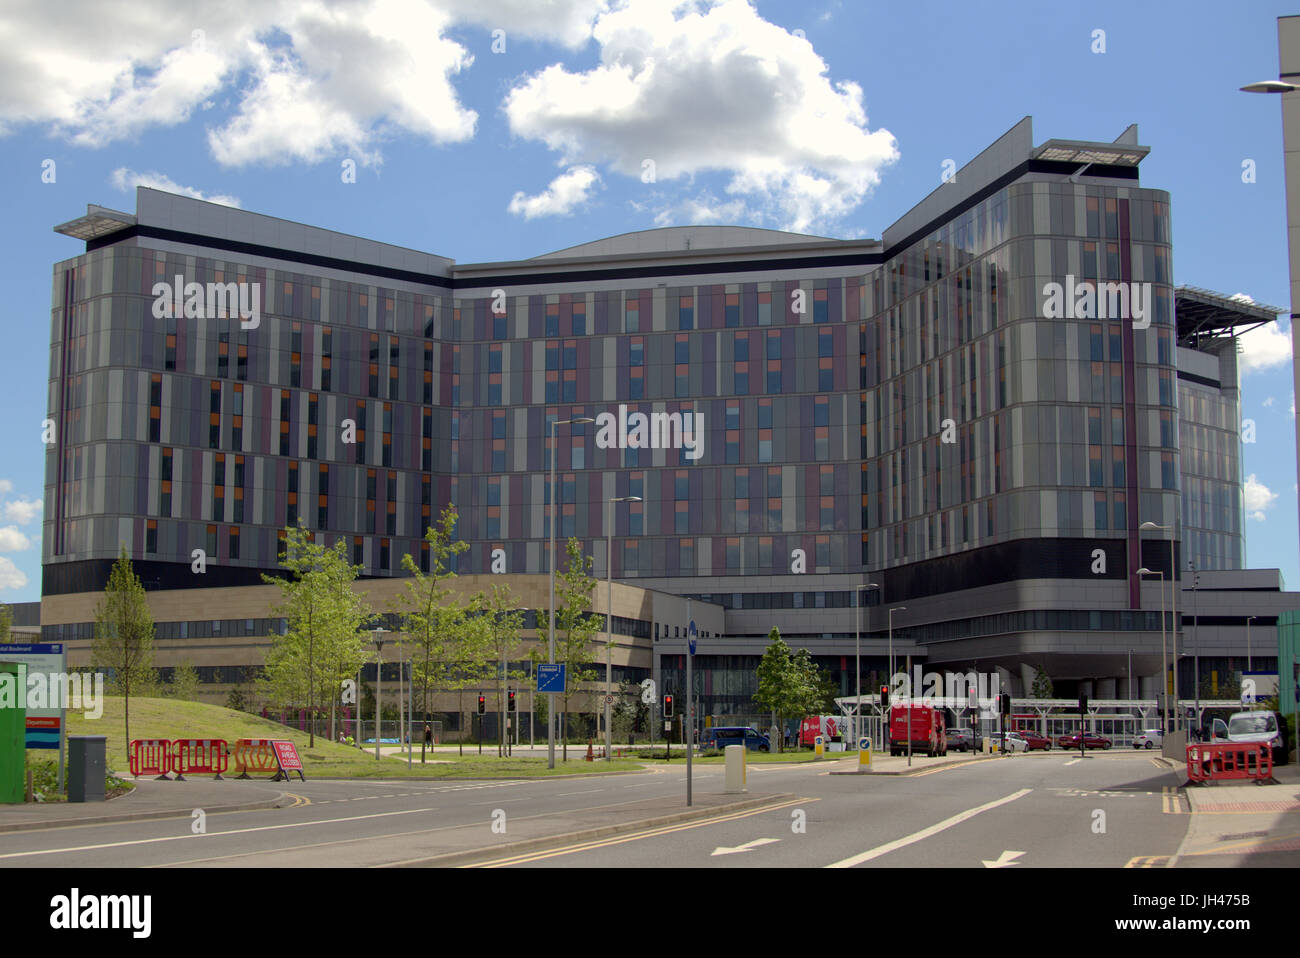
510, 700
1083, 705
668, 706
884, 696
1004, 703
482, 704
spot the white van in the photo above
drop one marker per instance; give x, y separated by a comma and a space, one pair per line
1259, 726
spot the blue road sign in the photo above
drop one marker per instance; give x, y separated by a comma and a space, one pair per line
692, 635
550, 678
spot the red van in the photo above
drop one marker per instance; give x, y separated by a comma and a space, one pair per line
923, 725
827, 726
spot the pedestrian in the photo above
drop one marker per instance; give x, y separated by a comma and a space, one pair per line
787, 736
428, 734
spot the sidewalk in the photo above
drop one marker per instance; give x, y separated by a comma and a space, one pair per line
149, 799
1243, 820
897, 765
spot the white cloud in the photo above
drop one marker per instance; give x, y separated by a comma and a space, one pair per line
11, 540
11, 577
6, 486
701, 209
566, 192
126, 179
303, 81
1264, 347
23, 511
1258, 498
1242, 297
699, 87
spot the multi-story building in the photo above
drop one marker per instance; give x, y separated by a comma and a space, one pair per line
976, 412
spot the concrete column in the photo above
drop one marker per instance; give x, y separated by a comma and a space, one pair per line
1106, 688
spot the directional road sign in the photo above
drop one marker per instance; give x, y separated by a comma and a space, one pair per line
550, 677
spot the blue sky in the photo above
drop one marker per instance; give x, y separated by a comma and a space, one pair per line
482, 155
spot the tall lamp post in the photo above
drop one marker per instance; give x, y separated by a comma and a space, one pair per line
1173, 601
609, 614
1164, 659
379, 686
897, 608
857, 662
555, 511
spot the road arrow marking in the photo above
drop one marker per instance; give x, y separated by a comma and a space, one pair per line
1005, 859
723, 850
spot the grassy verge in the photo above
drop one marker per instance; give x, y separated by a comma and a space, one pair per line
45, 781
171, 719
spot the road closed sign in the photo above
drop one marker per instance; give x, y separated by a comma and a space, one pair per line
286, 756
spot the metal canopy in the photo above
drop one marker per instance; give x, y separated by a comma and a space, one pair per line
1206, 317
98, 221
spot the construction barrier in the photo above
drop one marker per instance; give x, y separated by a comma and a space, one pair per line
1227, 761
198, 755
254, 755
150, 756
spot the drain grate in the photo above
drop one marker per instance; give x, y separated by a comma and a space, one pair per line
1238, 837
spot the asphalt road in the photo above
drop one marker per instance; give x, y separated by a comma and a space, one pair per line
1032, 811
1044, 807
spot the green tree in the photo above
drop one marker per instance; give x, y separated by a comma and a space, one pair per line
575, 626
235, 700
505, 622
782, 682
444, 643
1042, 687
6, 622
124, 633
185, 682
322, 645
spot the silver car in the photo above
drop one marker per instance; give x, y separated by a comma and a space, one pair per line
1149, 738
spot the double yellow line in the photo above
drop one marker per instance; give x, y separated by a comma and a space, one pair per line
635, 836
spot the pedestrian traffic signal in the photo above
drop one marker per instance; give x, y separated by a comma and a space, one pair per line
668, 706
482, 704
884, 696
510, 699
1004, 703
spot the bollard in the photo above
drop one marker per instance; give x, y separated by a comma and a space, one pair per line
819, 748
864, 754
735, 776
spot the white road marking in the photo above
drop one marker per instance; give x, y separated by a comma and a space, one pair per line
1073, 761
589, 791
926, 832
1004, 860
235, 831
724, 850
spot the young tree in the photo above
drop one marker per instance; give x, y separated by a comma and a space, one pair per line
323, 644
505, 622
185, 682
6, 622
781, 682
124, 633
574, 624
444, 644
1042, 687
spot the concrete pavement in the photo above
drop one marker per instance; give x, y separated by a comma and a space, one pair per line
150, 799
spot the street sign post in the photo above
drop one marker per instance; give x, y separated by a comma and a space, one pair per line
691, 635
550, 678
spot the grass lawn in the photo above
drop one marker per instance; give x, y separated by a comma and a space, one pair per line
170, 719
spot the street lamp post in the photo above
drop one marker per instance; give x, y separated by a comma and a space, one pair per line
379, 686
857, 663
609, 615
550, 696
1164, 660
1173, 601
897, 608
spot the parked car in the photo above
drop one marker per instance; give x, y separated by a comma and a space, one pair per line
1011, 741
965, 740
1260, 726
1035, 741
1149, 738
719, 738
1090, 740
